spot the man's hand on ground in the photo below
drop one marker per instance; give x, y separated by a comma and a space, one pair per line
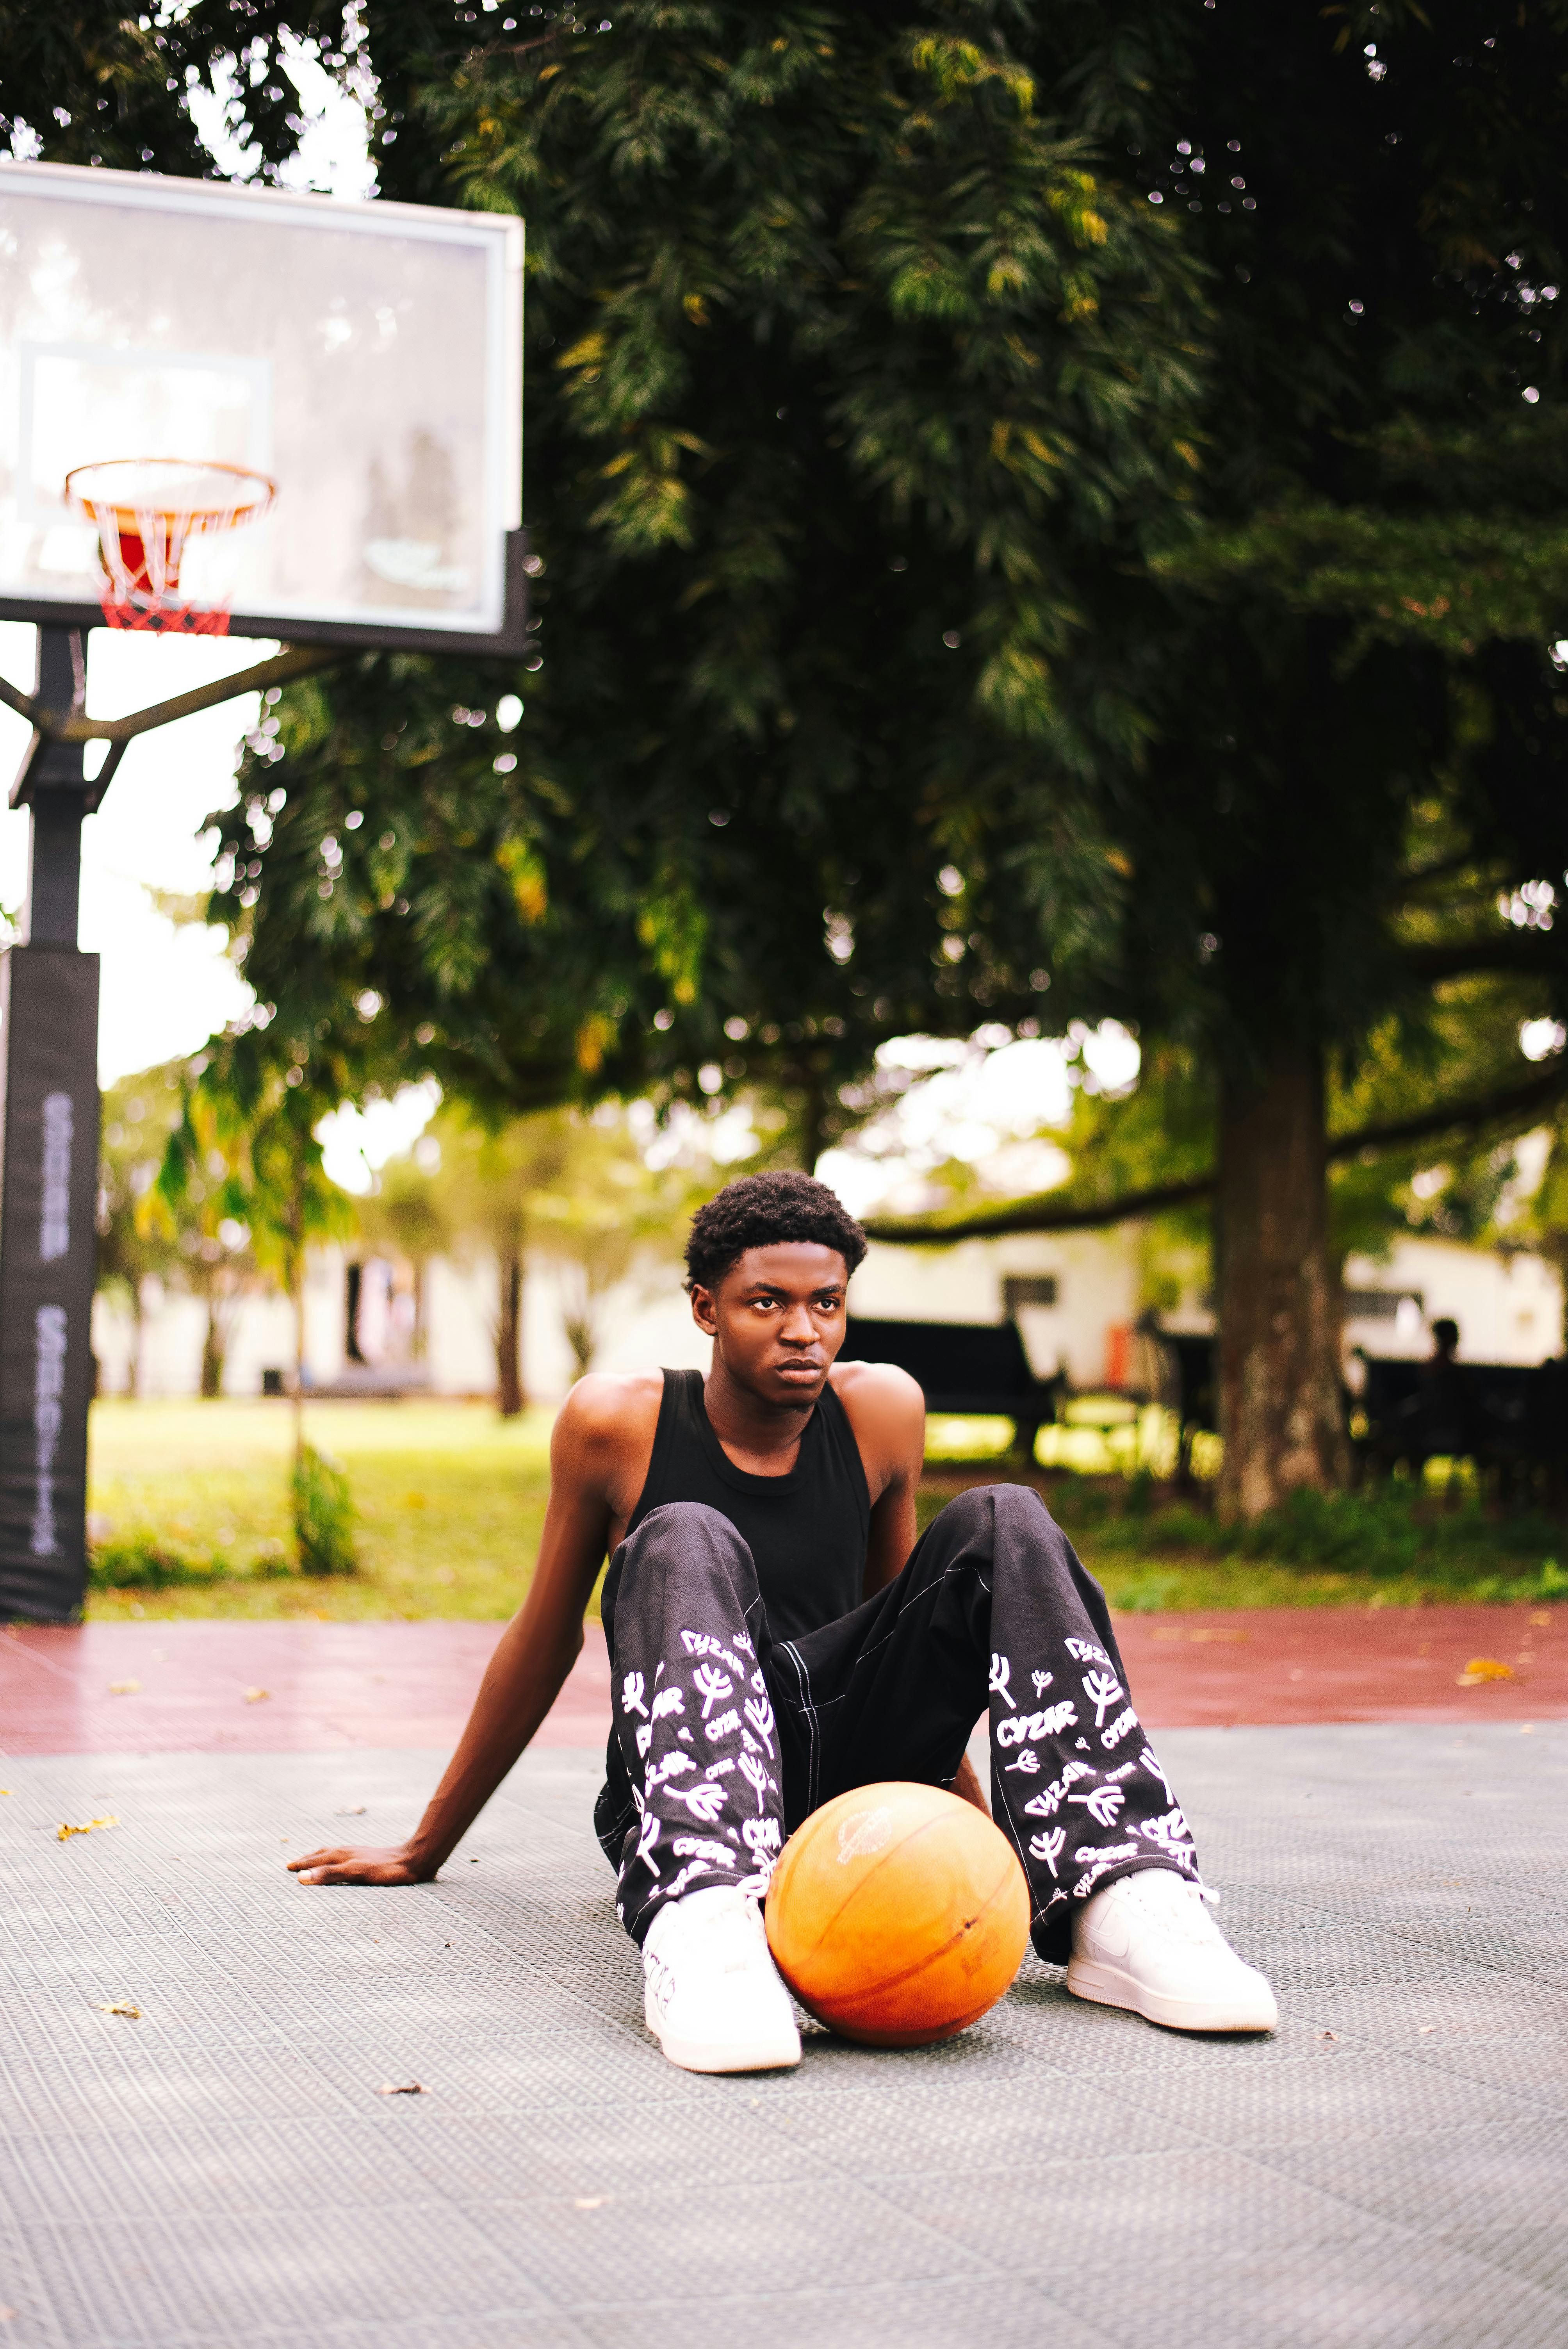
339, 1864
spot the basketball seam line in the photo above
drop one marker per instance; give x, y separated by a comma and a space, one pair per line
853, 1890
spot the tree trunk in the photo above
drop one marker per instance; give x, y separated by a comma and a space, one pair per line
813, 1121
509, 1336
296, 1294
212, 1356
1280, 1409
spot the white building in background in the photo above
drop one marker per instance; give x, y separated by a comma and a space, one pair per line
1076, 1296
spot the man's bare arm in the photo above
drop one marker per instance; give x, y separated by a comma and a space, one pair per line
886, 1412
594, 1434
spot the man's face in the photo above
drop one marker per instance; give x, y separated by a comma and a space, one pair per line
778, 1318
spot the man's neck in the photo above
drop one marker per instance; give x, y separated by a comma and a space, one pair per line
747, 1426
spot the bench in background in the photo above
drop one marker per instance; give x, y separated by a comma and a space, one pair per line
1510, 1419
966, 1368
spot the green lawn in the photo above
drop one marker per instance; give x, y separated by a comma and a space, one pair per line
451, 1499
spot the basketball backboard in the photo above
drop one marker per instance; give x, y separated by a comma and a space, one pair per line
366, 357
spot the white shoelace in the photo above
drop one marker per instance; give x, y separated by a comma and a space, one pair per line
729, 1935
1179, 1909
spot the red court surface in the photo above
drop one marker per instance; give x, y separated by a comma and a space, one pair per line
237, 1687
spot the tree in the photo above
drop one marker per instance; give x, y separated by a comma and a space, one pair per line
572, 1189
259, 1125
482, 1193
400, 1217
195, 1243
252, 1133
1222, 502
849, 386
83, 81
607, 1218
138, 1114
1343, 831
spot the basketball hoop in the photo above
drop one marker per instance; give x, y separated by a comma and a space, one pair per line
147, 509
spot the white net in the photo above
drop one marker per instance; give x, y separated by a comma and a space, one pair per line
147, 511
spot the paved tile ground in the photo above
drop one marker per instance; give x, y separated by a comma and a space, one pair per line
182, 1687
222, 2171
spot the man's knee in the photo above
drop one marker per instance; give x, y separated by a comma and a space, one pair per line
1008, 1530
986, 1511
687, 1537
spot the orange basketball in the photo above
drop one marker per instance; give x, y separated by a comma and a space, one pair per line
898, 1914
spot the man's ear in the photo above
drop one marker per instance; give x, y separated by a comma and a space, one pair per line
704, 1311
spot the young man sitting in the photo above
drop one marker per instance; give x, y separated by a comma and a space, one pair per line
777, 1635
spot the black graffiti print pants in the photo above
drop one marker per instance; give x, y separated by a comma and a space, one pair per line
726, 1738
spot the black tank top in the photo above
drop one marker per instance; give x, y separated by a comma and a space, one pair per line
807, 1531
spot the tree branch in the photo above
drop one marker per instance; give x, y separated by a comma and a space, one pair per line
1509, 1101
1441, 869
1046, 1213
1526, 953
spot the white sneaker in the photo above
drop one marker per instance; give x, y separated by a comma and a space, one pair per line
712, 1994
1148, 1942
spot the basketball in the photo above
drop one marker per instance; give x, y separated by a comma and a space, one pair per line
898, 1914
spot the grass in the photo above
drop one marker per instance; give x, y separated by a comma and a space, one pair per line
192, 1509
1400, 1545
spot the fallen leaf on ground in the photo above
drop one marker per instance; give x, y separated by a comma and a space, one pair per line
123, 1688
1228, 1636
1328, 2034
84, 1826
254, 1696
118, 2006
350, 1811
1483, 1668
1541, 1621
400, 2089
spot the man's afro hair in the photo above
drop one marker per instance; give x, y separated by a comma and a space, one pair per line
761, 1210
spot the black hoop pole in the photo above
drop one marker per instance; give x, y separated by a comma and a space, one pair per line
49, 1138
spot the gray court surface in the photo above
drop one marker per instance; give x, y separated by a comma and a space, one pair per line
1388, 2168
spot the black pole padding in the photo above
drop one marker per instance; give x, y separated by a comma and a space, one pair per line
49, 1186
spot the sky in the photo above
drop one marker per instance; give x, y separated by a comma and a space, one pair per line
164, 989
165, 986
